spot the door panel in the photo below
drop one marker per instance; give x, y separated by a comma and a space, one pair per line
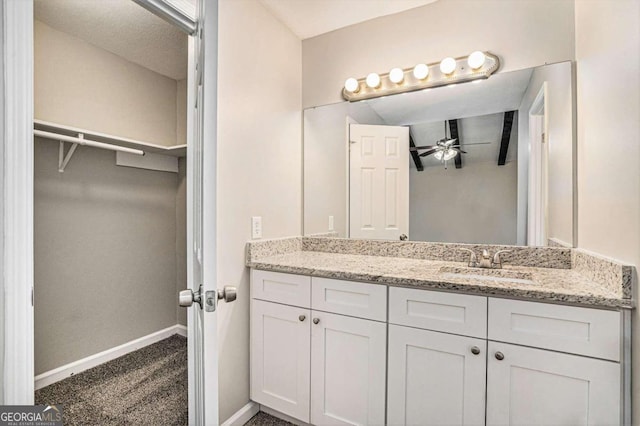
348, 366
379, 181
280, 353
434, 378
201, 214
538, 387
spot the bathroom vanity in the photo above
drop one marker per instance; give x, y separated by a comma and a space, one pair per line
372, 332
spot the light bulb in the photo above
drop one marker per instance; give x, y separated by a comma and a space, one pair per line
449, 154
448, 65
351, 85
445, 155
421, 71
396, 75
476, 60
373, 80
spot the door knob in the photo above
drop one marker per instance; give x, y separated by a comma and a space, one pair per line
499, 356
187, 297
475, 350
302, 317
316, 320
228, 293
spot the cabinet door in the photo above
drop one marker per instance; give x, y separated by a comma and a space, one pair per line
435, 378
280, 357
348, 364
538, 387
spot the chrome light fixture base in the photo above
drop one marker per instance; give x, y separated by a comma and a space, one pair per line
436, 78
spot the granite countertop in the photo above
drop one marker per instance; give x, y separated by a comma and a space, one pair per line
568, 286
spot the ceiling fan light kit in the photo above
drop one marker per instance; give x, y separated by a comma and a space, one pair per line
476, 66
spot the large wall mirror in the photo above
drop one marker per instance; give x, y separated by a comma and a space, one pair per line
485, 162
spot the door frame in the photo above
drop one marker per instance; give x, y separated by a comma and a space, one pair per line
16, 212
17, 199
537, 210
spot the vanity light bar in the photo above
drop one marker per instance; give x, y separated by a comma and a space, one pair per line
478, 65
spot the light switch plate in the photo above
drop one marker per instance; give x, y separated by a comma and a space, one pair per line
331, 223
256, 227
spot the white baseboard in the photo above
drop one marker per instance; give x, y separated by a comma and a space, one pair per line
68, 370
243, 415
181, 330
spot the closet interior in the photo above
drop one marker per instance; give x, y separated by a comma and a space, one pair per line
110, 134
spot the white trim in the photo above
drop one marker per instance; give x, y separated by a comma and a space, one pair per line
177, 12
73, 368
181, 330
18, 368
243, 415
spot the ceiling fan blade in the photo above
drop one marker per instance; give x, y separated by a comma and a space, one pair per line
414, 148
431, 151
449, 142
477, 143
458, 150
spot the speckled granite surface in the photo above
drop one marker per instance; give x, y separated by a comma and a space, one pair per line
617, 277
560, 275
264, 248
543, 257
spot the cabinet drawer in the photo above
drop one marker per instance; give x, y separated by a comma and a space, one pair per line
584, 331
282, 288
431, 310
349, 298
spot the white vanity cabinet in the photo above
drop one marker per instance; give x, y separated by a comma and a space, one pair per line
322, 360
329, 352
348, 363
435, 378
527, 386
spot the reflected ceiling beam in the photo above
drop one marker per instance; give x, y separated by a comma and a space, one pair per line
453, 130
506, 136
414, 153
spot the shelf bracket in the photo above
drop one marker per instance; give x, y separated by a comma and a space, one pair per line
63, 159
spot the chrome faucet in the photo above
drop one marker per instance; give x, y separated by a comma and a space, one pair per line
496, 262
486, 261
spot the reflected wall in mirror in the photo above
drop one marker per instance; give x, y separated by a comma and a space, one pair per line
485, 162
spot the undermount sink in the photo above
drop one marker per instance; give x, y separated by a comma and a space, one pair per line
500, 275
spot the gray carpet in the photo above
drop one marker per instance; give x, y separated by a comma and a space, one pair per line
145, 387
264, 419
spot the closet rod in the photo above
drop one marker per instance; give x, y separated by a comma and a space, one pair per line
80, 141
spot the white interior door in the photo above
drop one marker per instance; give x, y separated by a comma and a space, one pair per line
201, 217
378, 181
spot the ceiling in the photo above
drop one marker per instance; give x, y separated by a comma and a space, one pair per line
309, 18
479, 108
122, 28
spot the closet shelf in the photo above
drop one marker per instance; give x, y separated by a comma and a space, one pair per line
102, 138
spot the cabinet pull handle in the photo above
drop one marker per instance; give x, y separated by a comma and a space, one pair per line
499, 356
316, 320
302, 317
475, 350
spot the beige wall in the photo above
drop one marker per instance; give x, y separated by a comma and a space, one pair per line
80, 85
474, 204
105, 254
259, 165
608, 99
523, 33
